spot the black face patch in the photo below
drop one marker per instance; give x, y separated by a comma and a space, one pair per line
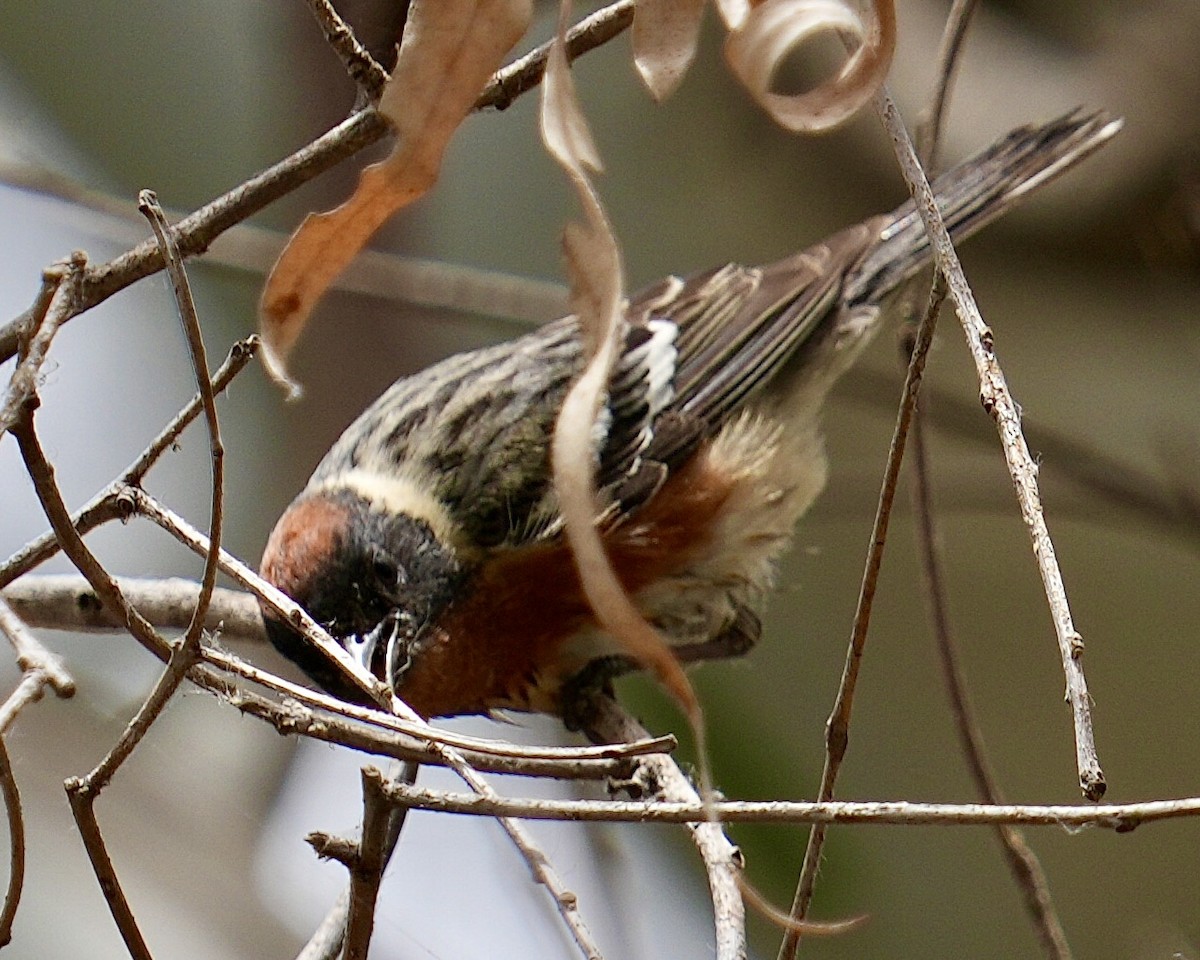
385, 576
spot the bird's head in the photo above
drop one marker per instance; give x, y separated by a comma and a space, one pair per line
372, 566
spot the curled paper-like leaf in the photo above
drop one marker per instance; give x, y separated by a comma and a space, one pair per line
450, 49
762, 35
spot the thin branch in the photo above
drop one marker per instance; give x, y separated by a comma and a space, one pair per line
82, 807
380, 831
363, 69
42, 474
929, 127
68, 602
326, 941
1022, 861
108, 504
565, 901
34, 331
148, 204
999, 403
1118, 817
837, 727
16, 845
662, 782
524, 74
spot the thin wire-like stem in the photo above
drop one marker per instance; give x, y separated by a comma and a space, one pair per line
1118, 817
1022, 861
837, 727
929, 128
999, 403
190, 322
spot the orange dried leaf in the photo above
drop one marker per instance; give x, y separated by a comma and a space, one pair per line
450, 50
665, 36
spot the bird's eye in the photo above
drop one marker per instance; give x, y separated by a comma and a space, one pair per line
386, 571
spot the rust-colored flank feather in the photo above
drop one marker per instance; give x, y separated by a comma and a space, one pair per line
493, 646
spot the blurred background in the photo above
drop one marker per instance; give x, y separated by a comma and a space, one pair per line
1092, 290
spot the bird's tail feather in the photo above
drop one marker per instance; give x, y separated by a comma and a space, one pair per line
977, 191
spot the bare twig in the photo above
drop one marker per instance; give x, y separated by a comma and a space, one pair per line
1119, 817
148, 204
16, 845
1022, 861
68, 602
999, 403
35, 329
108, 504
82, 807
524, 74
32, 657
366, 73
380, 831
42, 474
664, 783
326, 941
929, 127
837, 727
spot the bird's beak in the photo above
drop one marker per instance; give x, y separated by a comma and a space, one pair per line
398, 632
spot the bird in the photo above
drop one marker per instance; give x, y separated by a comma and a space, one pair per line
428, 540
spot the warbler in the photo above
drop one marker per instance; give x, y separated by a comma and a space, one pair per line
428, 540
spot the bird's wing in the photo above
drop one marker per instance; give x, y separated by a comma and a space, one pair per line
731, 330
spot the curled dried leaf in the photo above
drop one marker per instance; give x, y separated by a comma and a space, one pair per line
762, 35
450, 50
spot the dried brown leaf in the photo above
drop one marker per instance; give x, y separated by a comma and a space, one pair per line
450, 50
665, 36
763, 35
